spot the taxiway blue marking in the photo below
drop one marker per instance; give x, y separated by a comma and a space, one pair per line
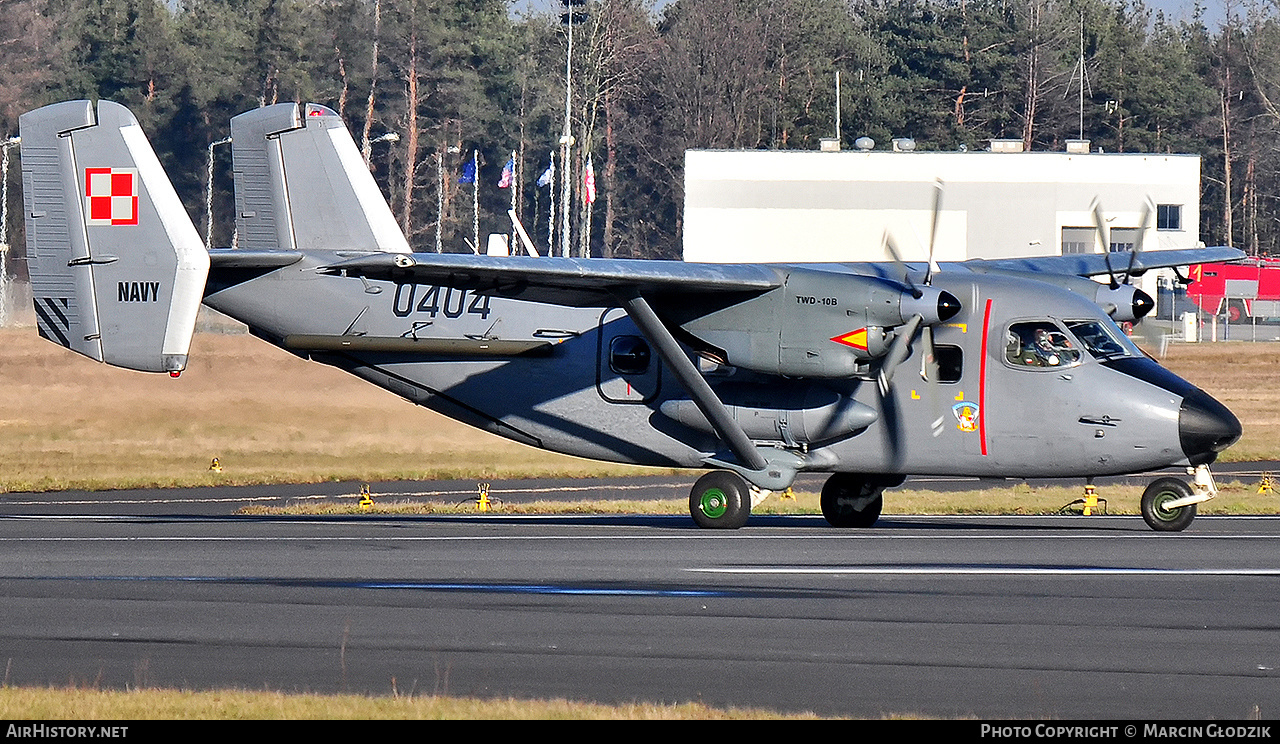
411, 585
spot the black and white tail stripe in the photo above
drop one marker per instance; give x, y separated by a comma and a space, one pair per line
52, 319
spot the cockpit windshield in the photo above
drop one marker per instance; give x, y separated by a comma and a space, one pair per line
1102, 340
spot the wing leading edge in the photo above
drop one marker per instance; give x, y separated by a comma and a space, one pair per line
1095, 264
563, 281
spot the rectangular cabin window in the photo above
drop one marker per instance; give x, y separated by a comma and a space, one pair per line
950, 363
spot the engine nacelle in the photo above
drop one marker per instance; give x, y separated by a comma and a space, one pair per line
819, 324
1125, 303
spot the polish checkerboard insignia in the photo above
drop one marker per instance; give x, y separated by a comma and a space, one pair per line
111, 196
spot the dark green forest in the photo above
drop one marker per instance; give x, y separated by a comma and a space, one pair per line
451, 78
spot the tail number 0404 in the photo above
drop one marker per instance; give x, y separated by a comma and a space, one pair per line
434, 301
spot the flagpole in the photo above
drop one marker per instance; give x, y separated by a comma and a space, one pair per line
551, 209
589, 200
566, 140
515, 181
475, 200
439, 199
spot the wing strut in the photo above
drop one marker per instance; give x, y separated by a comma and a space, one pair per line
752, 463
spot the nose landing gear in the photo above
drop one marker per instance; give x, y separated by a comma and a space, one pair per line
1169, 504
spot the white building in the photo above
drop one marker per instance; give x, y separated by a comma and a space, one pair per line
763, 206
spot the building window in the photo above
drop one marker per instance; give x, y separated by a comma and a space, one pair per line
1168, 216
1122, 238
1078, 240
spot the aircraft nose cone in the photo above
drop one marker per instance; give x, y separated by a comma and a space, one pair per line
1142, 304
1205, 427
948, 306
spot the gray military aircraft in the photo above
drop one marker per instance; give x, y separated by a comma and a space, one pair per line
867, 371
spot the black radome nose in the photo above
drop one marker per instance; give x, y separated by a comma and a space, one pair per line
1205, 427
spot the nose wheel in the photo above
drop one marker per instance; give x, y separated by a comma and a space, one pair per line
1160, 505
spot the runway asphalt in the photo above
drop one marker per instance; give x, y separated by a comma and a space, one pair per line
217, 500
987, 617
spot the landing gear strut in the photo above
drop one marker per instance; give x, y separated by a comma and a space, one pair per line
852, 500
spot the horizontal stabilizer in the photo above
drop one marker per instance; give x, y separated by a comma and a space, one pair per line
117, 269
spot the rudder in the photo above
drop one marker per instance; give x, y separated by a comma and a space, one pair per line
117, 269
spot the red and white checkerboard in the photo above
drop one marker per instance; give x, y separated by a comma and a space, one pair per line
111, 196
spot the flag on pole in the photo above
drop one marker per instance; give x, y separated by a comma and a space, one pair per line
547, 175
589, 183
468, 172
508, 174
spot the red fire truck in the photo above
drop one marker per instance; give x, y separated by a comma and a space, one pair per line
1248, 289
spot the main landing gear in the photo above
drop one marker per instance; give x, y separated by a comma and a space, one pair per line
722, 499
853, 500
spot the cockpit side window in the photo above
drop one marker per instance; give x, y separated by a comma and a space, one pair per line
1038, 344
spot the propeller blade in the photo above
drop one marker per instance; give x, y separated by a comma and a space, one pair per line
892, 248
928, 364
933, 229
1100, 225
1143, 222
929, 375
900, 350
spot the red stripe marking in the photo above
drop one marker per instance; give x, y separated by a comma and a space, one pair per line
982, 381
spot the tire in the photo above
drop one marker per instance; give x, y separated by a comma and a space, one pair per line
1160, 492
850, 500
720, 500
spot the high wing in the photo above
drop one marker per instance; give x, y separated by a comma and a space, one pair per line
592, 282
1095, 264
561, 281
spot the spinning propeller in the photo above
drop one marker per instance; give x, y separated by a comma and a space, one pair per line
1136, 302
928, 306
1104, 237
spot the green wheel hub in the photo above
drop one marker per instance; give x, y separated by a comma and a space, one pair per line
714, 503
720, 500
1161, 513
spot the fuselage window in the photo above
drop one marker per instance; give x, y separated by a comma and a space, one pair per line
1040, 343
629, 355
950, 362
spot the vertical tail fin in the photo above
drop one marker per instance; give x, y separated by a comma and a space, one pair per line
117, 269
301, 184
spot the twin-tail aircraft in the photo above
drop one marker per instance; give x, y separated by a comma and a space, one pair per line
867, 371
